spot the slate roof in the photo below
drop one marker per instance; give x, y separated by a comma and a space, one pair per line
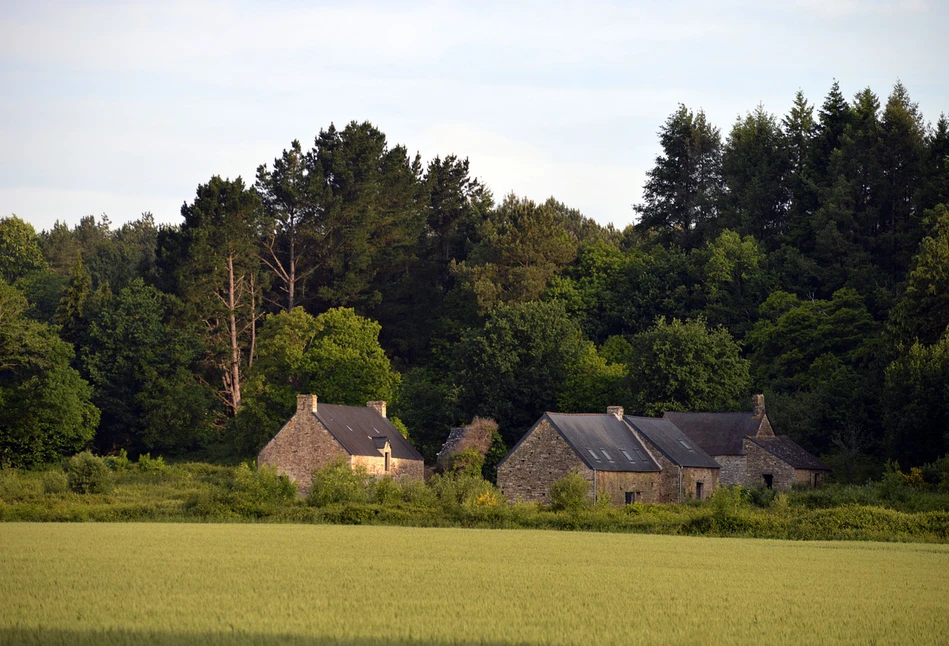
358, 429
784, 448
672, 442
716, 433
603, 442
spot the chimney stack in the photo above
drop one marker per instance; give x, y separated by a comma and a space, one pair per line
378, 406
306, 403
615, 411
758, 409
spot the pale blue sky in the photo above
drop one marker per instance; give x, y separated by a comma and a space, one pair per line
120, 108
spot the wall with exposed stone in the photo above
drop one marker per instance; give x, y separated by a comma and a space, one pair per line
302, 446
693, 475
647, 487
542, 458
400, 469
759, 462
733, 470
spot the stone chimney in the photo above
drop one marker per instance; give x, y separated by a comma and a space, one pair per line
615, 411
378, 406
758, 409
306, 403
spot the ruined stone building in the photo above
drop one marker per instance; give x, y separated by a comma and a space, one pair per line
749, 452
319, 434
613, 453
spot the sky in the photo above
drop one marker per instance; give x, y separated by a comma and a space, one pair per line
119, 108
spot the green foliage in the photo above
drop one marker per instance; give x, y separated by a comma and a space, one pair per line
45, 408
687, 366
916, 403
120, 461
88, 473
335, 355
55, 482
522, 246
338, 482
570, 493
20, 253
513, 368
148, 464
145, 373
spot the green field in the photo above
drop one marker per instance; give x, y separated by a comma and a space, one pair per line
278, 584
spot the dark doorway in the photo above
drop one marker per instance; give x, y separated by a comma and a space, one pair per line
698, 490
815, 481
632, 496
768, 480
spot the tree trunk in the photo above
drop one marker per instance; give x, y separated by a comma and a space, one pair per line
235, 350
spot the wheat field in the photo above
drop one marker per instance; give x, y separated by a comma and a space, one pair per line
302, 584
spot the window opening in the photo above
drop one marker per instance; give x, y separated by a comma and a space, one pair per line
387, 462
595, 456
685, 444
698, 490
768, 480
606, 455
633, 496
628, 456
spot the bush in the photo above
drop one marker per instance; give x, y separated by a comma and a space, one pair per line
338, 482
256, 492
87, 473
119, 462
570, 493
14, 487
54, 482
149, 464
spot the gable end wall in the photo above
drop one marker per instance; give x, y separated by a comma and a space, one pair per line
542, 458
302, 446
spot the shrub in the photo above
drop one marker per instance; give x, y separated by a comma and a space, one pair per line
119, 462
14, 487
87, 473
570, 493
255, 492
761, 496
149, 464
338, 482
54, 482
385, 491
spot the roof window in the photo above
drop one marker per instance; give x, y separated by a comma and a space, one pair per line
606, 455
595, 456
685, 444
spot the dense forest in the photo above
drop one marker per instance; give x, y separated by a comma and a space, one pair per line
806, 257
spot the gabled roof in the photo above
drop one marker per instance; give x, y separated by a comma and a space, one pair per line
357, 429
603, 442
784, 448
717, 433
672, 442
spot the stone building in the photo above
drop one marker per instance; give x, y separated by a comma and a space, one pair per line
687, 470
319, 434
604, 449
749, 452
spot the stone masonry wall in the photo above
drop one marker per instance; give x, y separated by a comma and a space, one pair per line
692, 475
764, 429
760, 462
542, 458
806, 477
669, 477
616, 484
733, 470
302, 446
400, 469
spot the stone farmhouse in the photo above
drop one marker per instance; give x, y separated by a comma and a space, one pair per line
749, 452
627, 459
317, 435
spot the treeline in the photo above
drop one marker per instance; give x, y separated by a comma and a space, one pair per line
806, 257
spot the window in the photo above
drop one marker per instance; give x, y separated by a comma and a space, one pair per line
815, 480
768, 480
642, 456
698, 490
633, 496
595, 456
628, 456
685, 444
387, 461
606, 455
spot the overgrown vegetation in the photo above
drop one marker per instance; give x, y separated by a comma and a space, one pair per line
902, 507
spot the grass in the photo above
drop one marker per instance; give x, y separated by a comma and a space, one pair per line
189, 584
